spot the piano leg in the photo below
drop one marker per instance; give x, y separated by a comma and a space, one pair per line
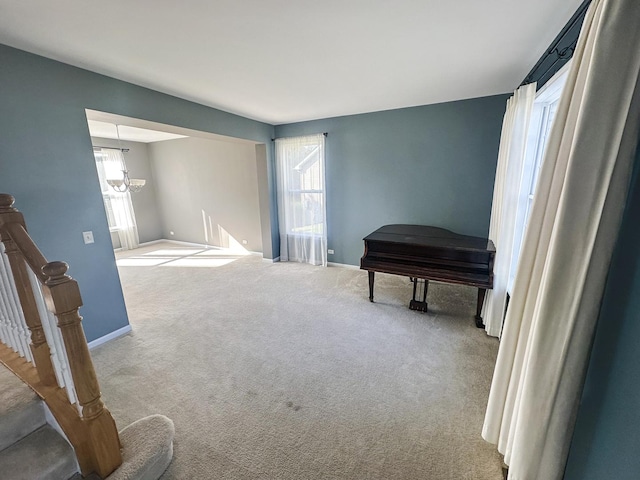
481, 294
371, 280
416, 304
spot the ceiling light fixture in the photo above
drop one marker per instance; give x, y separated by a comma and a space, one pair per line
125, 184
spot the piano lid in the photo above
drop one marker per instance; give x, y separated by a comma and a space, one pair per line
422, 235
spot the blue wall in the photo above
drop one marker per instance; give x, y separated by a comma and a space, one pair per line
46, 162
606, 440
431, 165
428, 165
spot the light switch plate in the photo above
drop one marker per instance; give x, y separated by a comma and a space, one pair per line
87, 237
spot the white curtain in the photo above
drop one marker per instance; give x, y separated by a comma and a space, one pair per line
568, 243
506, 192
301, 199
110, 164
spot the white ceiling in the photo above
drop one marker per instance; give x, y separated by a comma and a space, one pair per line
283, 61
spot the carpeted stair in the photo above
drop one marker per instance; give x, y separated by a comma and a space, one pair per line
30, 449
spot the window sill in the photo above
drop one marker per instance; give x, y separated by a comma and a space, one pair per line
304, 234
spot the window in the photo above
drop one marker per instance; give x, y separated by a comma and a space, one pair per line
107, 166
301, 199
547, 115
118, 206
542, 117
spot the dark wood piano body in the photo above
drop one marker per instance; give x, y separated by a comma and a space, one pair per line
430, 253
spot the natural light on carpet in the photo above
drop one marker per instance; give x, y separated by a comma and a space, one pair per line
183, 257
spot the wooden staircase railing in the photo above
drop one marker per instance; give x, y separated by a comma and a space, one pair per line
87, 424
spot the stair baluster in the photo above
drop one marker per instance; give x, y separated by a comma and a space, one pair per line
39, 346
16, 333
56, 343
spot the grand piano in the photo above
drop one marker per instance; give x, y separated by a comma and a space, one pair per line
425, 253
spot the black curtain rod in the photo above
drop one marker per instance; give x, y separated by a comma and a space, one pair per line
559, 54
326, 134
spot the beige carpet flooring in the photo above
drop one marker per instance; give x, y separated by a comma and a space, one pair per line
287, 371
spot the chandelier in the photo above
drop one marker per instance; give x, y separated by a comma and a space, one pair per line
125, 184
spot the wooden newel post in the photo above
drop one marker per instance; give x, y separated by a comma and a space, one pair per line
62, 296
39, 346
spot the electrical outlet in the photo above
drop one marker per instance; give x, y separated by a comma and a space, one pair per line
244, 242
330, 251
87, 237
171, 233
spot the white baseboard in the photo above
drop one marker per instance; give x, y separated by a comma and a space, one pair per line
192, 244
109, 336
343, 265
177, 242
152, 242
271, 260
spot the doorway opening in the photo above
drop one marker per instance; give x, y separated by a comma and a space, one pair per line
193, 189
